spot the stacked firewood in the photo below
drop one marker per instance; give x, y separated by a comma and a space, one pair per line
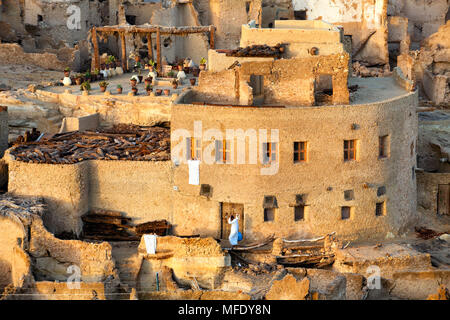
257, 51
141, 144
110, 225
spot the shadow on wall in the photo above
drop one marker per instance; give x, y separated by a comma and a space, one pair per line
5, 274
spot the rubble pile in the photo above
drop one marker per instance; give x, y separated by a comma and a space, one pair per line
144, 144
361, 69
21, 209
257, 51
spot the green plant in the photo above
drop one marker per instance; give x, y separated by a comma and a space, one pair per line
119, 86
85, 86
148, 87
78, 75
103, 84
87, 74
171, 74
202, 61
67, 69
110, 59
96, 72
151, 62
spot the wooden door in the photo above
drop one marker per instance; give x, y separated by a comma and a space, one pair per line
444, 199
228, 208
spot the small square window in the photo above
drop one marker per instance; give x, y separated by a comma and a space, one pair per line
381, 191
299, 213
205, 190
380, 209
269, 214
349, 195
345, 213
300, 151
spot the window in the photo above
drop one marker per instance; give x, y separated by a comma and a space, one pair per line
130, 19
300, 151
349, 150
269, 152
299, 213
300, 14
380, 209
349, 195
381, 191
257, 83
269, 214
247, 6
205, 190
269, 205
223, 153
193, 149
345, 213
383, 147
40, 18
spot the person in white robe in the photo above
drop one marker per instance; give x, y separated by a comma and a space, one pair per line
234, 233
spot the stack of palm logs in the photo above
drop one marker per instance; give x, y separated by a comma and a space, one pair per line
122, 142
108, 225
313, 253
257, 51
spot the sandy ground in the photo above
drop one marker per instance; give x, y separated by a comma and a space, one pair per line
20, 76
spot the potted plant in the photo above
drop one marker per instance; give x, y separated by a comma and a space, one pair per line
171, 74
158, 92
134, 90
96, 74
103, 85
85, 86
148, 88
192, 80
119, 89
78, 79
166, 92
202, 64
174, 83
133, 81
67, 72
148, 81
140, 76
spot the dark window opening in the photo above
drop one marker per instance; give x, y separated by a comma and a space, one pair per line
299, 213
167, 42
381, 191
323, 88
40, 18
270, 25
300, 15
247, 7
130, 19
345, 213
349, 195
269, 214
205, 190
379, 209
383, 147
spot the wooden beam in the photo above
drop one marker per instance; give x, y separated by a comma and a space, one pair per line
96, 57
150, 45
124, 52
154, 28
211, 37
158, 50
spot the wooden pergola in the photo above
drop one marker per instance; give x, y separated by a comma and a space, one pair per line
147, 30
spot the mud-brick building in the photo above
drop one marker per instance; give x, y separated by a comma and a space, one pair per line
279, 139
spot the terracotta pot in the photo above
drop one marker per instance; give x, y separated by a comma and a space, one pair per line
166, 92
192, 80
134, 90
187, 70
140, 78
202, 66
149, 92
175, 85
147, 82
102, 89
119, 90
78, 81
158, 92
133, 82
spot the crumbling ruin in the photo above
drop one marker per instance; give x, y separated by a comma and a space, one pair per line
325, 127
